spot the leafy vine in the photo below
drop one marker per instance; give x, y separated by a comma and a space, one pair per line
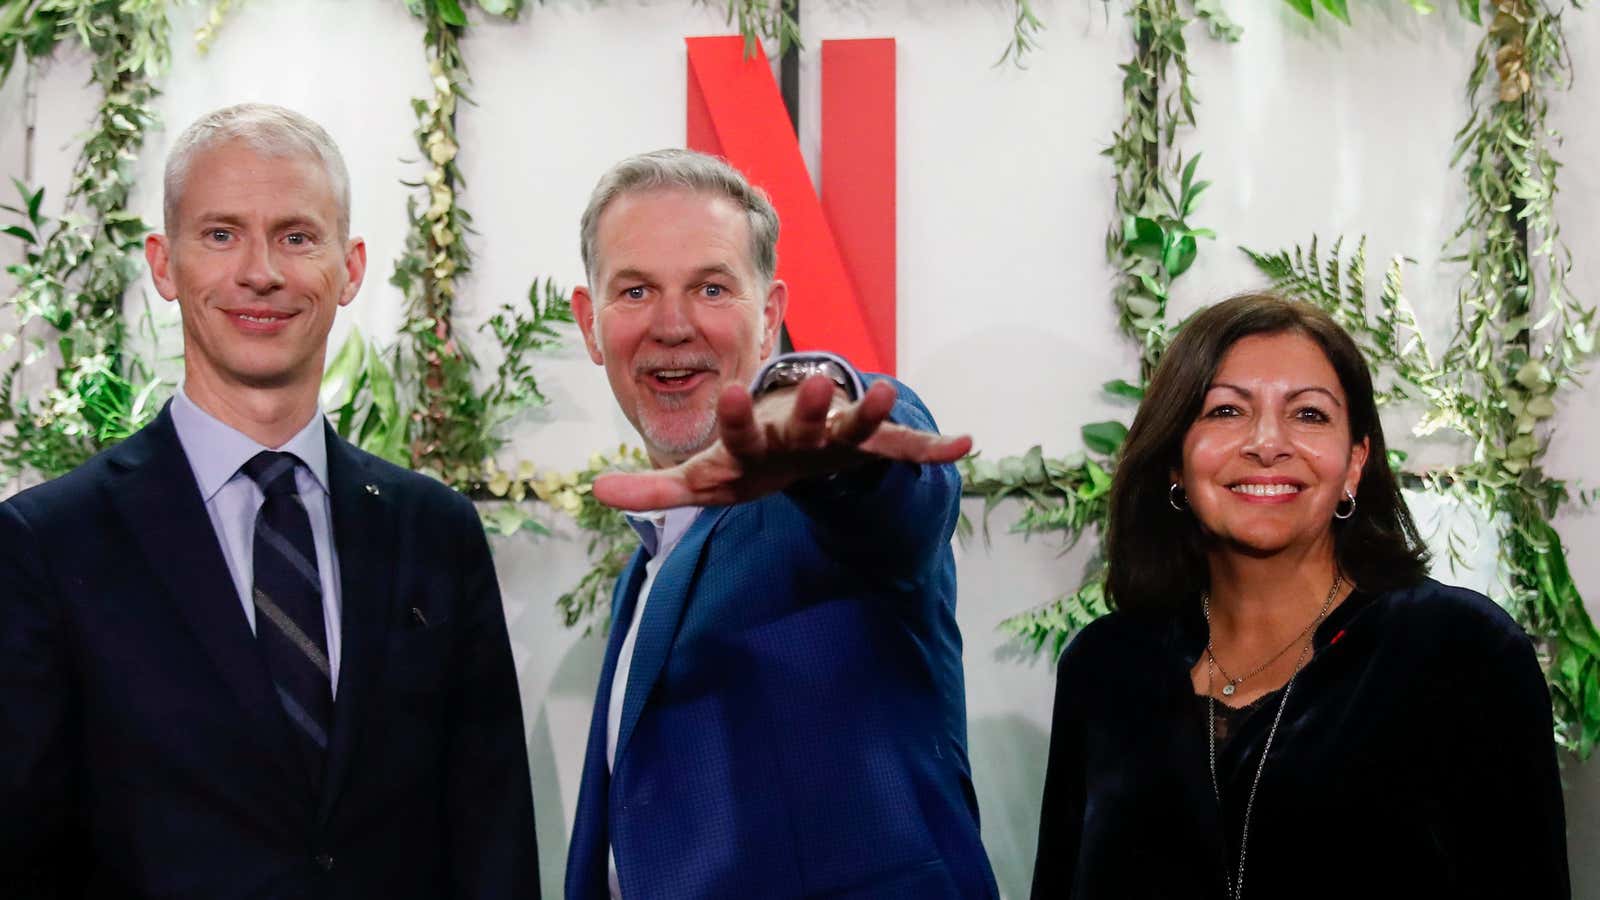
778, 20
76, 268
1522, 338
1535, 584
447, 430
1151, 244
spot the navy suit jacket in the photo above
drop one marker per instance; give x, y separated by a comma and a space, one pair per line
795, 720
143, 752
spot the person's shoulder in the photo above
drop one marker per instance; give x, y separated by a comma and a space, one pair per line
408, 486
66, 497
1113, 638
1451, 616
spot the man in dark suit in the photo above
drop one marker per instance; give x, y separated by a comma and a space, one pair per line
240, 658
781, 710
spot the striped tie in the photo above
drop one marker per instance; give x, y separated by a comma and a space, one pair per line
288, 601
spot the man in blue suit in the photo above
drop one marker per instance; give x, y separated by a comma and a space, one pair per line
240, 658
781, 711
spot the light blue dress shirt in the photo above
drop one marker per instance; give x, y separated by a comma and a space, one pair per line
216, 452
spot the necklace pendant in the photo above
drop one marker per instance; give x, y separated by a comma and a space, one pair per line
1227, 689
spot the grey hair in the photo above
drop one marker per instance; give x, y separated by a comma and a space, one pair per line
674, 168
273, 132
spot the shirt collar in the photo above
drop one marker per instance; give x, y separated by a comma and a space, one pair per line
217, 450
660, 530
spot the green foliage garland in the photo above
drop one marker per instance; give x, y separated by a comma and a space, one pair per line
1534, 582
1521, 340
77, 267
1340, 9
448, 417
455, 428
777, 20
1151, 244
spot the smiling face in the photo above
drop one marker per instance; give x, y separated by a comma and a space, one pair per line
676, 312
1270, 456
258, 265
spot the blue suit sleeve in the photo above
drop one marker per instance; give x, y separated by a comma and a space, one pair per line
893, 517
36, 701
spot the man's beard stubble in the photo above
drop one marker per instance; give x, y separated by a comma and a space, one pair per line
670, 440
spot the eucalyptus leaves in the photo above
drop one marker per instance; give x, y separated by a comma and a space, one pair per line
1152, 243
77, 267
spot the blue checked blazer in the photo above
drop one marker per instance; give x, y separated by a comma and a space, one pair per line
143, 752
795, 719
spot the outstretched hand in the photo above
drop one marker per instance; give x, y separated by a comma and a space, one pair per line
765, 445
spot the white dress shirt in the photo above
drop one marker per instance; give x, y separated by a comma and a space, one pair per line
216, 452
659, 532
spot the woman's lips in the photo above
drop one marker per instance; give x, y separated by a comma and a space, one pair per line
1266, 491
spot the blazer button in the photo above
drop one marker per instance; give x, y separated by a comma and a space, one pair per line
323, 861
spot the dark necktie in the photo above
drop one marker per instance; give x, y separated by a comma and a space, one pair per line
288, 601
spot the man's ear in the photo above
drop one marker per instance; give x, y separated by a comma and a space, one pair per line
158, 255
355, 269
583, 310
772, 316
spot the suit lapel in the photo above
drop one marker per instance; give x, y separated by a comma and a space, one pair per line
662, 613
181, 546
590, 830
364, 537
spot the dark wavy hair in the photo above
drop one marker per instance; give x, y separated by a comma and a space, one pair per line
1155, 555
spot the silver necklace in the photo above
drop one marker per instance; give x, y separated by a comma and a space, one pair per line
1235, 882
1231, 683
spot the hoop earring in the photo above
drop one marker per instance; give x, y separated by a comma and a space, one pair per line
1348, 511
1176, 498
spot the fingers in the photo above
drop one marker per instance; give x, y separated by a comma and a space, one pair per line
807, 427
642, 491
855, 424
898, 442
736, 422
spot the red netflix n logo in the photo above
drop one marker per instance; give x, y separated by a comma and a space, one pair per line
837, 253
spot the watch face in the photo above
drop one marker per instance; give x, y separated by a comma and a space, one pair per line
790, 372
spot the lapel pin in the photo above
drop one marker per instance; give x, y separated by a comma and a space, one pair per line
372, 489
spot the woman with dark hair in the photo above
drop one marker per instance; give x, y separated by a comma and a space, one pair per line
1283, 704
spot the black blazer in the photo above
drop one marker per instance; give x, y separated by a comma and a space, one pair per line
143, 752
1415, 758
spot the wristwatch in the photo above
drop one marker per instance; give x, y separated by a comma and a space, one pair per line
788, 371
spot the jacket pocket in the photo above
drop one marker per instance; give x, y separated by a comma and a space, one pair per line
418, 659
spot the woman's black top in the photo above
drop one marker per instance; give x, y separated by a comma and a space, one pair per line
1415, 758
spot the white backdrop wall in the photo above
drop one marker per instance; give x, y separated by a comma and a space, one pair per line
1005, 325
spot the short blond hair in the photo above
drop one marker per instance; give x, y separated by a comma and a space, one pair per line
273, 132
